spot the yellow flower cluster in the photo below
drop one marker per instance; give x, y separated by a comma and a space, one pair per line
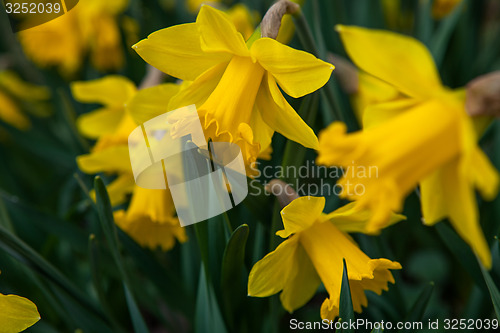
416, 132
91, 27
150, 218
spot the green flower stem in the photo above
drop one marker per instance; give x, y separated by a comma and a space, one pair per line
329, 95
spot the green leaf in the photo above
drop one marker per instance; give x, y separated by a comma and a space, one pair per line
462, 252
424, 22
492, 288
234, 255
169, 283
417, 311
439, 42
346, 311
21, 251
97, 280
208, 316
232, 267
137, 320
108, 225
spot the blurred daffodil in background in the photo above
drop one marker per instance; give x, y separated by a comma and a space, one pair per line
91, 28
150, 218
13, 93
429, 127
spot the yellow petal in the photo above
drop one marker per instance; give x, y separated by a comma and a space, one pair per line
376, 52
11, 114
287, 29
119, 188
106, 49
17, 313
326, 247
155, 205
151, 102
199, 90
19, 88
99, 122
484, 175
301, 284
379, 113
281, 117
111, 91
57, 42
177, 52
218, 33
298, 73
300, 214
463, 213
350, 218
267, 276
432, 198
371, 91
150, 219
112, 159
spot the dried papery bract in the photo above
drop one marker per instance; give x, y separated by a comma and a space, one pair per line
483, 95
271, 22
346, 73
282, 191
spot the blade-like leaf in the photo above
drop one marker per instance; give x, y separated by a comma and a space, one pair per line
346, 311
108, 225
208, 316
232, 267
417, 311
494, 293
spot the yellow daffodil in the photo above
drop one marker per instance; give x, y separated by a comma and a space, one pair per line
313, 252
12, 88
11, 114
150, 218
112, 91
441, 8
371, 91
89, 27
17, 313
425, 138
235, 86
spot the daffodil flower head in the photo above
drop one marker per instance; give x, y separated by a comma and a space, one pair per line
150, 218
313, 252
90, 27
424, 138
235, 85
112, 92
